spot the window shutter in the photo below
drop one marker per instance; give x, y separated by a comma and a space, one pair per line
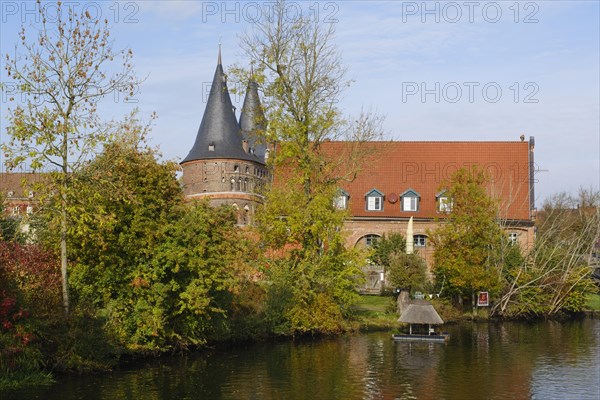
371, 203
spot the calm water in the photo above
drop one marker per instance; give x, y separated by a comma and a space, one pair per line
547, 360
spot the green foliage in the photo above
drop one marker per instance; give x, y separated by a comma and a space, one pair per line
200, 267
593, 301
402, 270
65, 71
554, 276
311, 275
407, 271
386, 246
9, 227
312, 289
161, 274
120, 204
468, 244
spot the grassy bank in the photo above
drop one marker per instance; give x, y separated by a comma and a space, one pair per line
375, 313
593, 302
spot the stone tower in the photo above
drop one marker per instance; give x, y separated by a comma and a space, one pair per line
227, 162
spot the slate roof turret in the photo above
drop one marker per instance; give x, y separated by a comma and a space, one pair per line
252, 121
219, 135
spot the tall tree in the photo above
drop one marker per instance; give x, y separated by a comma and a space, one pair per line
303, 79
64, 70
468, 243
119, 206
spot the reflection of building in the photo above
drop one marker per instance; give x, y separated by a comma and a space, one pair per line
227, 162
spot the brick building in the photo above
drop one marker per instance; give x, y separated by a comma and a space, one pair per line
227, 163
403, 180
20, 200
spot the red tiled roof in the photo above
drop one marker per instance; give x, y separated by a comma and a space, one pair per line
396, 167
13, 182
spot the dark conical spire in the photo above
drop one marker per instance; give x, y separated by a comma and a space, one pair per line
219, 135
252, 120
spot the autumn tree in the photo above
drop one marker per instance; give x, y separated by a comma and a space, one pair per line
119, 205
406, 272
555, 274
300, 71
64, 70
468, 243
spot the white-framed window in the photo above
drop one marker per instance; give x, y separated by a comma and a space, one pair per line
513, 238
374, 200
11, 194
410, 200
444, 202
16, 210
420, 240
29, 209
340, 201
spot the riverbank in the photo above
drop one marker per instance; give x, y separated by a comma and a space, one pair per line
378, 312
548, 360
373, 313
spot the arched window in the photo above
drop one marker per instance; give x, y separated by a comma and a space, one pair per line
238, 185
369, 240
246, 185
232, 184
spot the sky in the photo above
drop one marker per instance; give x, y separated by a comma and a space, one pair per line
437, 70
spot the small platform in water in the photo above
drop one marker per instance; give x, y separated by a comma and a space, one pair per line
441, 338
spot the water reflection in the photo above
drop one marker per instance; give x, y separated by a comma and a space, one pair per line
482, 361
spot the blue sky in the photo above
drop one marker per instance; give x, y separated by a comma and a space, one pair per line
489, 70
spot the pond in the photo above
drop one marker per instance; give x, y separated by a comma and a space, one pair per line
510, 360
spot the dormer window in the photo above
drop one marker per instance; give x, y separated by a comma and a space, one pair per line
211, 147
410, 200
374, 200
340, 201
444, 202
11, 194
30, 194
